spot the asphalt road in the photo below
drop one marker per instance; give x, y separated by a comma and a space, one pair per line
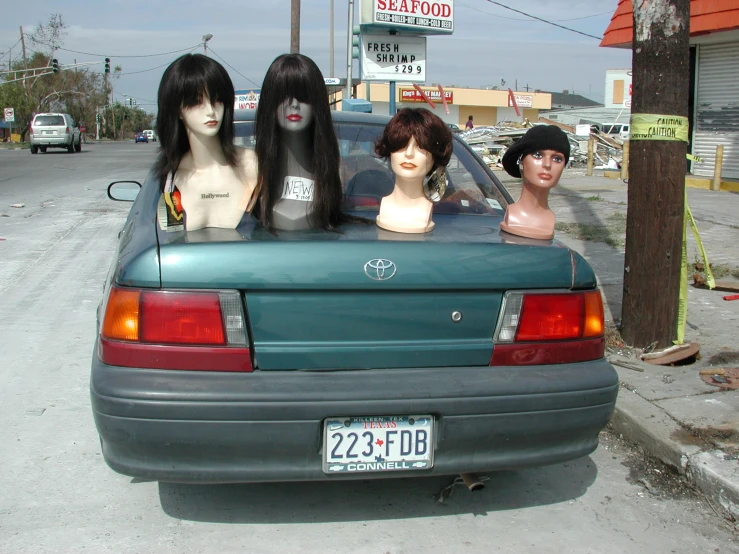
57, 494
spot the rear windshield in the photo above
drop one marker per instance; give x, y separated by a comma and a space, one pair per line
367, 179
48, 120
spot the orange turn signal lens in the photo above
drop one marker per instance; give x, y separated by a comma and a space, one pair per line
594, 318
121, 321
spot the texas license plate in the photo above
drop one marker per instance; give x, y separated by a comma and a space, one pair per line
378, 443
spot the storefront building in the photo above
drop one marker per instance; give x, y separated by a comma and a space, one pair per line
714, 70
487, 107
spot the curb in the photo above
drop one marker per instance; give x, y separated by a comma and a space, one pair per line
647, 425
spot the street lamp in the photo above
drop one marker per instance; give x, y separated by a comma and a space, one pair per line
206, 38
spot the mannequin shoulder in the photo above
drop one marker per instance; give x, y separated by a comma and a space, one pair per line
247, 159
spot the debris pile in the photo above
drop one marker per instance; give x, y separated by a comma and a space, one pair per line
491, 142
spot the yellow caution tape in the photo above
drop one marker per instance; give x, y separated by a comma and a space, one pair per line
647, 126
682, 309
694, 158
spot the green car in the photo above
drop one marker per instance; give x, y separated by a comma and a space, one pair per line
362, 353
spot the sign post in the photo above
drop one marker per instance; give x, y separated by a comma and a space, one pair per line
10, 118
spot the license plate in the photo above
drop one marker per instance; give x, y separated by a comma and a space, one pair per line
49, 132
378, 443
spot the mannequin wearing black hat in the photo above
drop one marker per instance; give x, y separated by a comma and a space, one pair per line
539, 157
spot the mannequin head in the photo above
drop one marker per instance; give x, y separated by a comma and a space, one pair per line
431, 136
526, 156
542, 168
294, 100
294, 116
194, 90
411, 162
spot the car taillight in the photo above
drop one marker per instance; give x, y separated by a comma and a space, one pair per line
189, 330
30, 130
549, 328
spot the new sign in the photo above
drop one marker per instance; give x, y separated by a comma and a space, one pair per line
424, 17
393, 58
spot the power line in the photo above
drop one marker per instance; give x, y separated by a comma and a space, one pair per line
143, 70
521, 19
9, 49
232, 67
190, 48
543, 20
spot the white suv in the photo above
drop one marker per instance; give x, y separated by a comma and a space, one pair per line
55, 130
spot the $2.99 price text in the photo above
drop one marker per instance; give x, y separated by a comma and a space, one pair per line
407, 69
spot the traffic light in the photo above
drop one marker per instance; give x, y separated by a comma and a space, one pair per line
356, 33
107, 65
97, 118
55, 65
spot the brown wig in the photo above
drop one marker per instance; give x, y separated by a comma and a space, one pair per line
295, 76
430, 132
188, 81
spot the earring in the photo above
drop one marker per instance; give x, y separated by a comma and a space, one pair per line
434, 184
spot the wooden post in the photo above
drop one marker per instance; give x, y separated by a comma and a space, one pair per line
716, 183
591, 150
656, 199
625, 161
295, 27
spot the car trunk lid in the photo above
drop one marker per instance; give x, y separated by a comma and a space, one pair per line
350, 301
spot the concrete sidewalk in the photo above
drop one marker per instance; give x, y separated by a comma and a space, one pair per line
674, 414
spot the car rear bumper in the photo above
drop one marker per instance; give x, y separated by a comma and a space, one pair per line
60, 140
213, 427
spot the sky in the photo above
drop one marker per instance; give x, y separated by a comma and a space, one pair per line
489, 43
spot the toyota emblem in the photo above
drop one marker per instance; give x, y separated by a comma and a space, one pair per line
379, 269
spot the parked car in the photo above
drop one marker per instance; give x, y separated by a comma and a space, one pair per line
141, 137
454, 128
238, 355
150, 135
620, 130
54, 130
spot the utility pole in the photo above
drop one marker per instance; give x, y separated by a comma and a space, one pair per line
348, 90
295, 27
657, 167
25, 60
331, 40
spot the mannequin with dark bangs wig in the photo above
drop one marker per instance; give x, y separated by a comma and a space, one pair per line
296, 78
186, 83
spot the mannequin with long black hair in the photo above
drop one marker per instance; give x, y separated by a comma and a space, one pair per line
296, 149
199, 168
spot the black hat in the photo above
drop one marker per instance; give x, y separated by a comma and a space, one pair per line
539, 137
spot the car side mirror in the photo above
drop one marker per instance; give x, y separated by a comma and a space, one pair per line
124, 191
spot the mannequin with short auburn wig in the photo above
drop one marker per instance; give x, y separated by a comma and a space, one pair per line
297, 150
207, 181
419, 147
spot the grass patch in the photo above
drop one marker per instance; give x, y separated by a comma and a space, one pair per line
719, 271
612, 232
595, 198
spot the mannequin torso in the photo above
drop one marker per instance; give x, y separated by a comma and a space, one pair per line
530, 216
406, 213
295, 183
215, 194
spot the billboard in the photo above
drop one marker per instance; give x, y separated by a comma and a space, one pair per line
247, 99
422, 17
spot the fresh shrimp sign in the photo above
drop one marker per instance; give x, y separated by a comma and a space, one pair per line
426, 17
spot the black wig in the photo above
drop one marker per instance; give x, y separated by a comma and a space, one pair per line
295, 76
188, 81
